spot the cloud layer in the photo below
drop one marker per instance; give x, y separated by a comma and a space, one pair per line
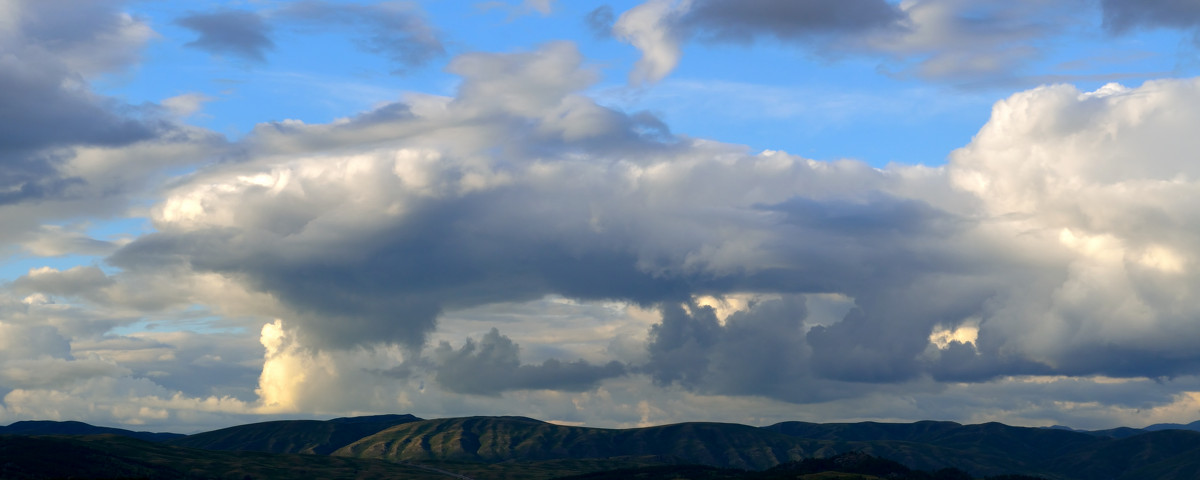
518, 246
1041, 235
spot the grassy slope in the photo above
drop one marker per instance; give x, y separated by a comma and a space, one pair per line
497, 439
983, 450
292, 436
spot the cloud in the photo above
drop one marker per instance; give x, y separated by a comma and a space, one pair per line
648, 27
1058, 164
85, 37
1041, 238
76, 281
53, 240
235, 32
492, 366
397, 30
187, 104
744, 21
600, 20
1122, 16
417, 188
520, 188
67, 151
525, 7
950, 40
757, 351
659, 27
542, 6
220, 364
124, 401
32, 342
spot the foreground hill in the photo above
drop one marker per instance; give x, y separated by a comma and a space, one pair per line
996, 449
525, 448
498, 439
985, 449
1166, 454
46, 427
990, 449
292, 436
114, 456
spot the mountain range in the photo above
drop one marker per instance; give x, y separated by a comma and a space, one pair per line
521, 447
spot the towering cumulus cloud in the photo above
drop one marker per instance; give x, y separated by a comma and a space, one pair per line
1105, 180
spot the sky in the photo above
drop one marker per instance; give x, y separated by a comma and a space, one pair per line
612, 214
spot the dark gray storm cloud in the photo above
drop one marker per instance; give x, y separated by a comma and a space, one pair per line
1121, 16
393, 285
90, 36
745, 20
759, 351
966, 42
493, 366
46, 105
396, 30
235, 32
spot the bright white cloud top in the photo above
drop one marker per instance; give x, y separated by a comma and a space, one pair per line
327, 208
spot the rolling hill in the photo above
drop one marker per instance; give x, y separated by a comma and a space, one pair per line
114, 456
46, 427
292, 436
498, 439
525, 448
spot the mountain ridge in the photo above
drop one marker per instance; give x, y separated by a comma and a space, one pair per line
51, 427
523, 447
319, 437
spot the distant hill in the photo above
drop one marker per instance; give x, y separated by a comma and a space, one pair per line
864, 431
1126, 432
46, 427
1119, 432
292, 436
1194, 426
993, 449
